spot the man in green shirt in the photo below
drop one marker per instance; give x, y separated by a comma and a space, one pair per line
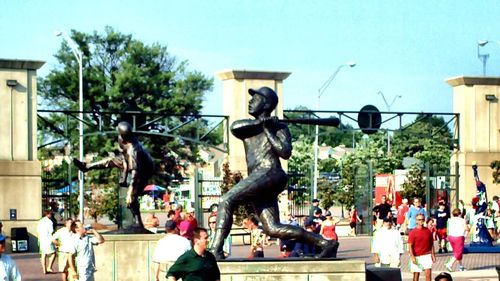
197, 264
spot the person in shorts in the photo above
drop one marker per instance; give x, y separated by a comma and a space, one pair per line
441, 217
421, 249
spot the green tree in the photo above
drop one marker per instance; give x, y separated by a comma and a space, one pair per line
414, 185
354, 167
301, 162
428, 139
230, 179
495, 166
122, 73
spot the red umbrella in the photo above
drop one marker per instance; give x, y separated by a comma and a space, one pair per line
153, 187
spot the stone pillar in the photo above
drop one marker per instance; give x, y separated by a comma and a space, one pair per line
235, 85
20, 170
476, 99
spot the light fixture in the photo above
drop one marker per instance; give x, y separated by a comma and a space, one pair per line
482, 42
491, 98
12, 83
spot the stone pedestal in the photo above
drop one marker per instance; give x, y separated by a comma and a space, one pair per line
20, 171
129, 257
476, 99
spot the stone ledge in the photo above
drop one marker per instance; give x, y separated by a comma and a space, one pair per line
20, 168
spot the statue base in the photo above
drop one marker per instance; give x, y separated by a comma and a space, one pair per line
476, 248
133, 229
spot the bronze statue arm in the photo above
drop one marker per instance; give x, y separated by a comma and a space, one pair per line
134, 177
280, 139
246, 128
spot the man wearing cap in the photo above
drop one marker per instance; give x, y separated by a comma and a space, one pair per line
170, 247
8, 268
265, 140
314, 207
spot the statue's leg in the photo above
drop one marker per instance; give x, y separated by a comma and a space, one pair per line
269, 216
137, 190
246, 191
107, 163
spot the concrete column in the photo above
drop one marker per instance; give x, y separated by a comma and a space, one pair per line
476, 99
20, 170
235, 85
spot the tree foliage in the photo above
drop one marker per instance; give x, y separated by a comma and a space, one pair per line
495, 166
428, 139
230, 179
414, 186
301, 162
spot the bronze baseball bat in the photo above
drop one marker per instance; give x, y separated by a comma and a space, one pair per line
333, 122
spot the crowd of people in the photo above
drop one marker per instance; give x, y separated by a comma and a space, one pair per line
449, 228
73, 245
185, 243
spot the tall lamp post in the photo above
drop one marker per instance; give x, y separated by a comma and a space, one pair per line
78, 55
389, 110
321, 90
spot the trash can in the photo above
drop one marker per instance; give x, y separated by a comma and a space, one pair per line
19, 239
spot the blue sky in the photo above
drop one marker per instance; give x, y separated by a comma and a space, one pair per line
403, 48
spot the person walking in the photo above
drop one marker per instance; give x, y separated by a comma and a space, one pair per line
401, 215
353, 220
197, 264
8, 268
387, 246
327, 229
457, 229
411, 216
45, 228
441, 217
421, 249
63, 239
170, 247
382, 211
83, 252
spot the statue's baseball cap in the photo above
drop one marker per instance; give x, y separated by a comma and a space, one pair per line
266, 92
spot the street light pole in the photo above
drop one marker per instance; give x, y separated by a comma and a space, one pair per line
321, 90
484, 57
389, 110
79, 57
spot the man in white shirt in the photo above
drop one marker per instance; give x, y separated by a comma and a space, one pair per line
64, 239
170, 247
8, 268
387, 246
83, 250
45, 228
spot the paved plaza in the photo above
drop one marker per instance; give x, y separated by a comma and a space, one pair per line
479, 266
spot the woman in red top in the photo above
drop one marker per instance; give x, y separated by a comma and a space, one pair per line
354, 219
328, 227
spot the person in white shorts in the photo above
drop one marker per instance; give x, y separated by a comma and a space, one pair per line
421, 248
45, 228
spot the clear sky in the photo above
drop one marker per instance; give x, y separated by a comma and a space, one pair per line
406, 48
